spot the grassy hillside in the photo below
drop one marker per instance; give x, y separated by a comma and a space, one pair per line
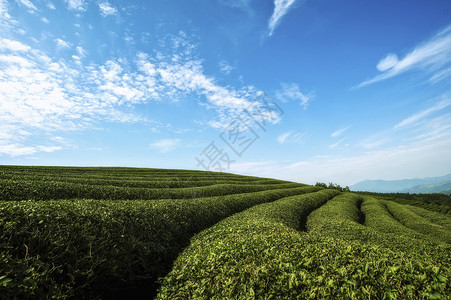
178, 234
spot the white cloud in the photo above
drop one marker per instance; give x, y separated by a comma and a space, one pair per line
387, 62
335, 145
50, 5
76, 4
406, 151
166, 145
106, 9
377, 140
432, 56
281, 7
45, 20
422, 114
291, 137
19, 149
339, 132
291, 92
225, 67
48, 148
420, 159
243, 5
281, 138
129, 40
5, 18
61, 43
41, 94
185, 76
441, 75
81, 52
15, 60
6, 44
28, 4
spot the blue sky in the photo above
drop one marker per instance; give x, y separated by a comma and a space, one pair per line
332, 91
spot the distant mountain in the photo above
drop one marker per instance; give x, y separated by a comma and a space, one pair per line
439, 187
418, 185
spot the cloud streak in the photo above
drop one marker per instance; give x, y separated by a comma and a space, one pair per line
290, 137
423, 114
431, 158
281, 8
165, 145
339, 132
433, 56
292, 92
29, 4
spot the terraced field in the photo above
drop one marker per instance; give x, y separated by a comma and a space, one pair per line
178, 234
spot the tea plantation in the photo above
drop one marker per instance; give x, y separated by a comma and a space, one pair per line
106, 233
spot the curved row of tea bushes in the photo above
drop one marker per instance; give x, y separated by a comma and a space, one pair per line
220, 260
150, 183
379, 218
49, 190
17, 172
441, 208
433, 217
99, 248
341, 218
411, 220
259, 253
151, 177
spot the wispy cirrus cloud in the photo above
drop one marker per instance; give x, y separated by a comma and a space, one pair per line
291, 137
339, 132
335, 145
281, 8
431, 157
423, 114
29, 5
432, 56
424, 138
243, 5
165, 145
429, 124
292, 92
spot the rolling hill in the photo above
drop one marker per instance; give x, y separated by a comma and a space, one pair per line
116, 233
419, 185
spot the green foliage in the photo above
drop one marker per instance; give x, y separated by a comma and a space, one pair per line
361, 218
99, 248
435, 202
321, 184
410, 219
259, 253
333, 186
12, 190
433, 217
244, 237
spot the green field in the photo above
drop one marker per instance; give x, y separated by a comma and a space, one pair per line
102, 233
